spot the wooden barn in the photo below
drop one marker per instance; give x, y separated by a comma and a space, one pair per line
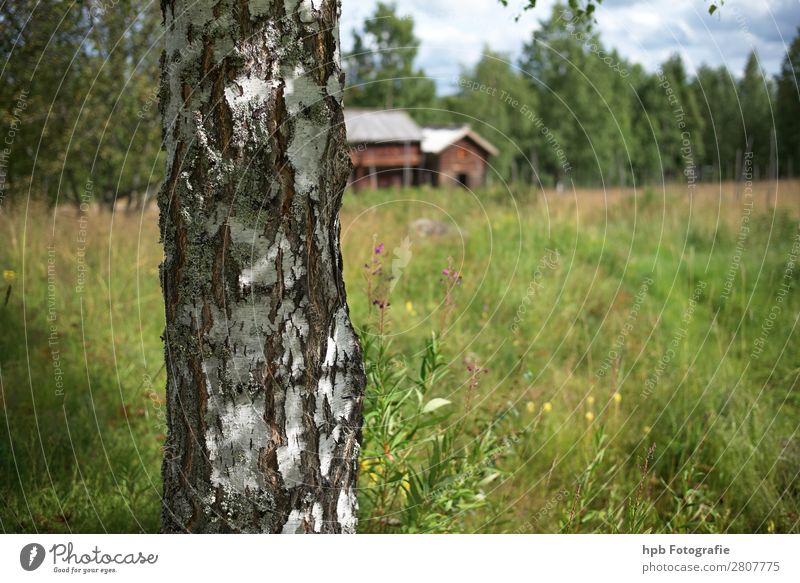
389, 149
385, 146
455, 156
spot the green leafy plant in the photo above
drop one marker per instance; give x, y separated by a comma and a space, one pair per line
424, 465
426, 461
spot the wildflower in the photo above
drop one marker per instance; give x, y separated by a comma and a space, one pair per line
451, 274
410, 309
450, 280
530, 407
617, 397
405, 487
379, 249
590, 400
647, 429
547, 407
589, 416
371, 470
9, 275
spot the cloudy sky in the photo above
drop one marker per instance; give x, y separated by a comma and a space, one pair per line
453, 32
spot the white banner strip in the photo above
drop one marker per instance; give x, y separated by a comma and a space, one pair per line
401, 559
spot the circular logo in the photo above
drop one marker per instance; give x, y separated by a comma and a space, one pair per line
31, 556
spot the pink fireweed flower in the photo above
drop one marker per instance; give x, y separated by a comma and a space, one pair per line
373, 273
451, 276
450, 279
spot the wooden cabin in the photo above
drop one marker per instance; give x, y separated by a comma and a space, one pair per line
455, 156
389, 149
385, 147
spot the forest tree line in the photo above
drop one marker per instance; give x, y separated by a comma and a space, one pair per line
81, 116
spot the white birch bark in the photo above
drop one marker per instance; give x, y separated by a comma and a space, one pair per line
265, 378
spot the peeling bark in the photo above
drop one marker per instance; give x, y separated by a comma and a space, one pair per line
265, 377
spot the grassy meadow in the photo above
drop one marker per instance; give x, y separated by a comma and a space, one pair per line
591, 361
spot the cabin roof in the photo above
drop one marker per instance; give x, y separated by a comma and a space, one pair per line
436, 139
365, 126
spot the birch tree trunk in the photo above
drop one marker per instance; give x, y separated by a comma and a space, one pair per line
265, 377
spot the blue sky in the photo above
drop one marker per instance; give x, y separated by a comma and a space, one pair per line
453, 32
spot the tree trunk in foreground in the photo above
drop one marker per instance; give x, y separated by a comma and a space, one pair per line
265, 379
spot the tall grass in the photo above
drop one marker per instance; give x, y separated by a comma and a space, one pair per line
604, 363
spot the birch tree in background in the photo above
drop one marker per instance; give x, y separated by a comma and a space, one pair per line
265, 375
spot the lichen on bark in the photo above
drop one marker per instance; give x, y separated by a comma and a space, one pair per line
265, 379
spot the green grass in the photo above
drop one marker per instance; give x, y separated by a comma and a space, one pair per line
553, 425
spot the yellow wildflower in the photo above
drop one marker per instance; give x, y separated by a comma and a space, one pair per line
647, 429
617, 397
547, 407
409, 307
370, 470
530, 407
9, 275
589, 416
590, 400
